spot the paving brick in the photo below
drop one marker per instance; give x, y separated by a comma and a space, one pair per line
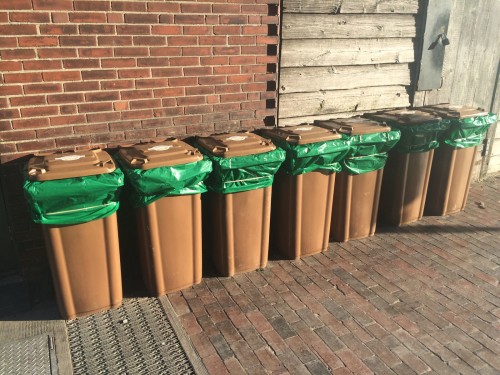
318, 368
275, 342
221, 346
326, 355
436, 364
190, 324
203, 345
244, 303
238, 318
415, 363
269, 360
358, 348
377, 365
230, 333
330, 339
215, 365
438, 348
342, 371
487, 342
384, 354
292, 300
245, 355
353, 363
466, 355
377, 330
462, 367
309, 318
300, 349
259, 321
234, 366
463, 338
252, 338
336, 310
403, 369
410, 342
207, 325
489, 357
282, 327
292, 363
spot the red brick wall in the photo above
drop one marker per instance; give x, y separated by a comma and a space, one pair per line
79, 73
76, 74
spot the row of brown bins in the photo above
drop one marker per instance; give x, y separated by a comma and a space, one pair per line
76, 196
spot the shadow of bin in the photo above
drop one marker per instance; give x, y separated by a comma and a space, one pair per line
357, 187
303, 189
74, 196
454, 160
166, 181
406, 174
239, 199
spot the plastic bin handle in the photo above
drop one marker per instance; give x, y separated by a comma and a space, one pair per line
137, 157
293, 137
220, 149
103, 163
288, 135
346, 129
38, 167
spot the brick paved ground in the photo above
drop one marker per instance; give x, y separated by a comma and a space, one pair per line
418, 299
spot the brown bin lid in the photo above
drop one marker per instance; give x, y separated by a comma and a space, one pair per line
161, 154
354, 126
235, 144
58, 166
448, 110
302, 134
404, 116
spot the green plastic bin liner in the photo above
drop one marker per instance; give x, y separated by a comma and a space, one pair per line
74, 200
467, 126
467, 132
420, 130
161, 169
368, 152
308, 148
419, 137
241, 162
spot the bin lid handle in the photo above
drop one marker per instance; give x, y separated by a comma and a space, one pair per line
103, 163
218, 149
346, 129
137, 157
288, 135
38, 167
293, 137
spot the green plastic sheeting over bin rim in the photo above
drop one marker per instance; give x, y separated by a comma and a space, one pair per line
467, 132
243, 173
421, 137
324, 156
152, 184
74, 200
368, 152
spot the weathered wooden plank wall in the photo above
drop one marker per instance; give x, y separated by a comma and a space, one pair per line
340, 58
470, 71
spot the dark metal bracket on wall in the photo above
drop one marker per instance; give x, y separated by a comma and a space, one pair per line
434, 44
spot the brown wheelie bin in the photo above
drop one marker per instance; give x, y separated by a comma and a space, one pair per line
75, 196
406, 174
238, 204
454, 160
303, 189
166, 181
357, 187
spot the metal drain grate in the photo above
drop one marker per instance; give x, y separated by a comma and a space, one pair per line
34, 355
135, 338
